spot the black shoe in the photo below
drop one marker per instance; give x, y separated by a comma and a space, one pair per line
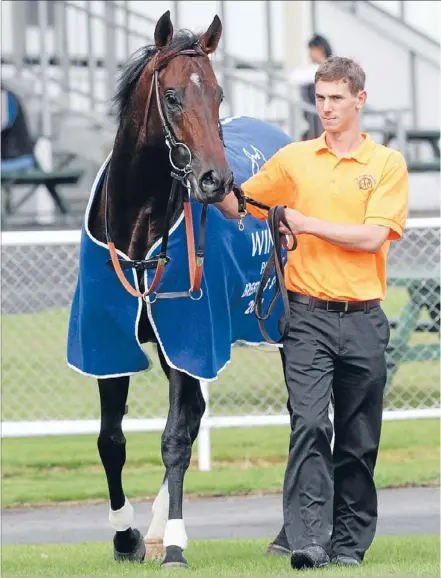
342, 560
313, 556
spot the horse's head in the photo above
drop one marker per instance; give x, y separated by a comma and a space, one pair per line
183, 89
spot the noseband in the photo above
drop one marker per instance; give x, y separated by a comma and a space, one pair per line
181, 185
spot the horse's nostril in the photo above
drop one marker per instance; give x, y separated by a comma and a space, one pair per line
210, 181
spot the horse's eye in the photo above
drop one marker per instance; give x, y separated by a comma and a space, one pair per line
171, 99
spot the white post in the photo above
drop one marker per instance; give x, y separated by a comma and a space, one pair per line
44, 204
204, 446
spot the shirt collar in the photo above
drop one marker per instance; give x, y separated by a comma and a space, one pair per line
362, 154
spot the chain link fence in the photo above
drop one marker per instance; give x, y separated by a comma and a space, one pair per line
38, 280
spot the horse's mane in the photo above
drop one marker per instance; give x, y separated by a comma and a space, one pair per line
132, 70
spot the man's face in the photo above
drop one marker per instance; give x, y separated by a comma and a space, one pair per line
337, 107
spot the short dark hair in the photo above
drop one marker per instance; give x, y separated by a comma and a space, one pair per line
321, 42
345, 69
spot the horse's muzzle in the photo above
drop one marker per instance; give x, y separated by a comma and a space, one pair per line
214, 186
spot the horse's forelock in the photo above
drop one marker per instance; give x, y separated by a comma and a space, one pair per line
133, 69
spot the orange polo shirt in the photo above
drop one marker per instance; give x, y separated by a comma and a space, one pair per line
369, 186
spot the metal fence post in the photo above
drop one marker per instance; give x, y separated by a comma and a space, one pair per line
62, 46
110, 55
44, 205
19, 35
91, 57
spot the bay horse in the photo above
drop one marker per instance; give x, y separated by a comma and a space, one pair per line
169, 141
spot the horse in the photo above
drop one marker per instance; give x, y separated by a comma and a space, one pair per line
169, 146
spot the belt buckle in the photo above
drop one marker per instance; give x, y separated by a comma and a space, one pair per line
345, 303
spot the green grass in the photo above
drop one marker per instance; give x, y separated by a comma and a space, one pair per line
33, 361
413, 557
53, 469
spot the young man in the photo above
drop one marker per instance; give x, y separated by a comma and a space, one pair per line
347, 198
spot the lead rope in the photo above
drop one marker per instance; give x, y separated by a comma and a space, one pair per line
276, 215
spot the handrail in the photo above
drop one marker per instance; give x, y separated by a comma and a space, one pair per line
278, 89
137, 15
403, 21
378, 30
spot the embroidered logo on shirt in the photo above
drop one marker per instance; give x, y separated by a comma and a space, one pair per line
366, 182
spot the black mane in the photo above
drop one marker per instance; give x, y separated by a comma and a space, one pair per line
131, 72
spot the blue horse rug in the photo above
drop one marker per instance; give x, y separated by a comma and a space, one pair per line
195, 336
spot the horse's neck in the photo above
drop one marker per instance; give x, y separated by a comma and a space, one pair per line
139, 186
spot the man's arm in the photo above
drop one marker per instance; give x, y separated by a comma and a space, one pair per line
366, 238
385, 215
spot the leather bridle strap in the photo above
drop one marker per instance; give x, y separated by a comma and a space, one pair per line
179, 177
195, 260
162, 258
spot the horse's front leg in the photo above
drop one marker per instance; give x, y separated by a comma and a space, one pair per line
194, 407
176, 444
128, 543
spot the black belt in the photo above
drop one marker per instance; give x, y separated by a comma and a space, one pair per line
338, 306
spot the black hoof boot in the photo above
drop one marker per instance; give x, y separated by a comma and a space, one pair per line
174, 558
133, 545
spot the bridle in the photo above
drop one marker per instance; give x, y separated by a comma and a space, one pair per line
180, 172
181, 185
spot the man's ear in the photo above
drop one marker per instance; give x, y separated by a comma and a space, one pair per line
361, 99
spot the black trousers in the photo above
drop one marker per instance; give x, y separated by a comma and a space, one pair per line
329, 498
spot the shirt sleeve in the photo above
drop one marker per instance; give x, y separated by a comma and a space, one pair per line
388, 203
272, 185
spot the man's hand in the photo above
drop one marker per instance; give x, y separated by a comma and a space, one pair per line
296, 220
229, 206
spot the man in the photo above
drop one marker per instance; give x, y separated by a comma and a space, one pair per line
347, 198
319, 50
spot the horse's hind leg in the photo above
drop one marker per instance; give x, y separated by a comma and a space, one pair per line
194, 409
128, 542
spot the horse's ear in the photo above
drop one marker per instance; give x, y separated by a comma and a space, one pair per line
163, 31
210, 39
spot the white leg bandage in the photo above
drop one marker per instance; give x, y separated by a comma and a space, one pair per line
175, 534
160, 513
122, 519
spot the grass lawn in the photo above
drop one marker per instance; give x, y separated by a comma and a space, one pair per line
37, 384
413, 557
52, 469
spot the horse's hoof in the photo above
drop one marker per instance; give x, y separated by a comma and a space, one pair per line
275, 549
155, 549
174, 558
136, 555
